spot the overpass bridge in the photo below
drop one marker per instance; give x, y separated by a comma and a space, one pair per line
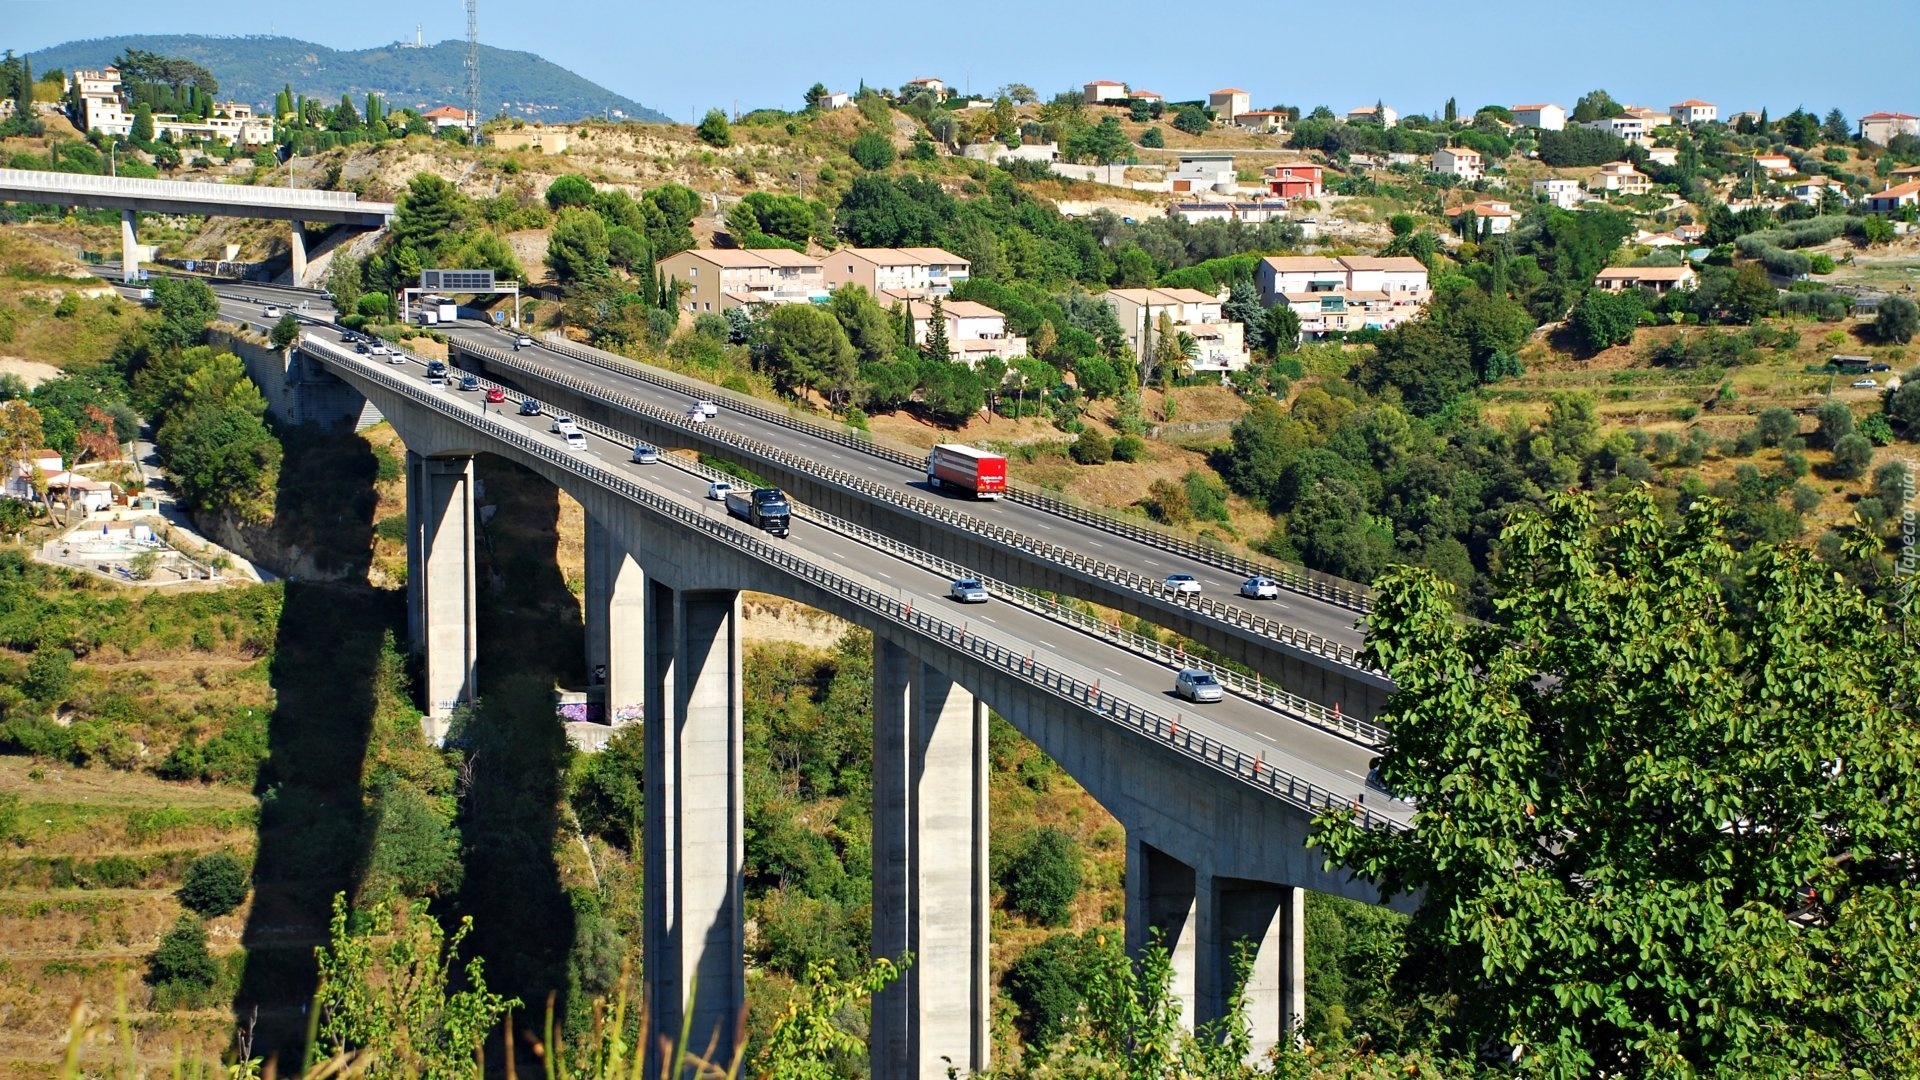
1216, 800
130, 195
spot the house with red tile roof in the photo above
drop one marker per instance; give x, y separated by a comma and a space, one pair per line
1880, 127
1229, 103
1694, 111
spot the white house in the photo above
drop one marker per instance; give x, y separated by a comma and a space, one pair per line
1193, 213
1545, 117
1814, 188
1266, 121
1373, 114
1101, 91
1620, 176
100, 106
839, 99
1200, 172
974, 330
1694, 111
1229, 103
1659, 279
1282, 275
1222, 341
19, 479
1880, 127
934, 86
1401, 281
1893, 198
917, 271
1629, 127
1457, 161
446, 116
1663, 155
1565, 194
1498, 216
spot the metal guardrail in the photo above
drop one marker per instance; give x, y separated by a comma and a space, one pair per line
134, 187
1250, 769
1217, 610
1321, 587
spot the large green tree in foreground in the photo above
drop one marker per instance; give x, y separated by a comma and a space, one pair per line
1666, 818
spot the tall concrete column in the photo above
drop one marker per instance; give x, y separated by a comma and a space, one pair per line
929, 870
616, 625
1268, 922
297, 246
1161, 896
448, 608
695, 935
416, 553
129, 248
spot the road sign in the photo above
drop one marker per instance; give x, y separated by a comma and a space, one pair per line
457, 280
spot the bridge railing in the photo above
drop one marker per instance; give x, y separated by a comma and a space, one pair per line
1263, 625
1323, 587
1172, 732
135, 187
1255, 688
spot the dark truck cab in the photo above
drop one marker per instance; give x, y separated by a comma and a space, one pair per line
763, 508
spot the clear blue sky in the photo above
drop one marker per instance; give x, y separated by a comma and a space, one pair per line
682, 57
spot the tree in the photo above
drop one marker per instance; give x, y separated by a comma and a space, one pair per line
1610, 884
1428, 364
872, 150
1836, 129
1852, 454
1603, 319
1751, 295
141, 133
1897, 320
1280, 326
186, 306
937, 348
430, 218
384, 983
182, 963
1776, 425
869, 327
714, 130
805, 347
285, 332
214, 885
1152, 138
1192, 120
816, 97
344, 116
570, 189
1043, 876
1836, 422
577, 249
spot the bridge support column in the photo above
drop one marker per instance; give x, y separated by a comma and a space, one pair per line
1269, 922
694, 933
1161, 895
297, 247
447, 609
129, 248
930, 889
416, 553
616, 625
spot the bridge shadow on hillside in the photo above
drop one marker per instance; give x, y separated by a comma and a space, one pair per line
531, 639
327, 674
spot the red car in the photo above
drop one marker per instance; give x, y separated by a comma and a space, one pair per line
495, 395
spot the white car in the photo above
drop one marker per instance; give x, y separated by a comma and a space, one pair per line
576, 440
562, 424
1182, 583
707, 407
270, 312
968, 591
719, 490
696, 415
645, 454
1865, 384
1260, 588
523, 342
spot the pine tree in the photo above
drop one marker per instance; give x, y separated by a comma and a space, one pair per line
938, 347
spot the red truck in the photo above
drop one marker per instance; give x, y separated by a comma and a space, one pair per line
980, 472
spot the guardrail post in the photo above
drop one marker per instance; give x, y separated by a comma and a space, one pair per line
930, 890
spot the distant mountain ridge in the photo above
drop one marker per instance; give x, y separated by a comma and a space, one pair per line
253, 69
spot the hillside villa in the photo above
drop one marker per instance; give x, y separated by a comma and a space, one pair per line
719, 279
1658, 279
1694, 111
918, 272
1294, 180
1565, 194
1880, 127
1546, 117
1622, 177
1222, 342
974, 330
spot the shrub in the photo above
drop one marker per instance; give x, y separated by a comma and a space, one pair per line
1129, 448
1043, 877
1851, 456
1091, 448
1836, 422
182, 963
1897, 321
714, 130
215, 884
872, 150
1776, 425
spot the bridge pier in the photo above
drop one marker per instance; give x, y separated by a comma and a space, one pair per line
441, 609
297, 248
1162, 896
615, 622
129, 249
693, 830
1271, 920
930, 888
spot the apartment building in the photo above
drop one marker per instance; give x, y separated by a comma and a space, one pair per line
103, 109
1223, 345
1400, 281
974, 330
100, 106
718, 279
1495, 216
919, 272
1622, 177
1631, 128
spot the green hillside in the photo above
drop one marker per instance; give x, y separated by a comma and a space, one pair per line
253, 69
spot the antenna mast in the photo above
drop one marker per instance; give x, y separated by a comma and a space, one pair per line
473, 71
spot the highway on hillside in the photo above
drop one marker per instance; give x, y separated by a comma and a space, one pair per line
1330, 621
1292, 747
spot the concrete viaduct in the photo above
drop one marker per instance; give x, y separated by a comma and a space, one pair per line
1216, 819
131, 195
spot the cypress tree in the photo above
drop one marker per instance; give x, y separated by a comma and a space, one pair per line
24, 99
938, 347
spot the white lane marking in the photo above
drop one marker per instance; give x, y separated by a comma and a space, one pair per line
884, 574
1353, 774
1110, 671
1048, 644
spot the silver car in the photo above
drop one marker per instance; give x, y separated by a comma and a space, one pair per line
1197, 685
645, 454
968, 591
1260, 588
